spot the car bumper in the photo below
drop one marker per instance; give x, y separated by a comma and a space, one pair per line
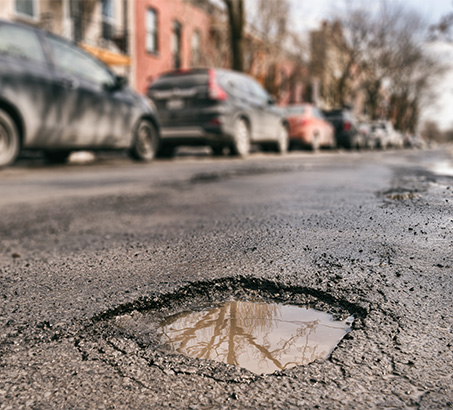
195, 135
301, 136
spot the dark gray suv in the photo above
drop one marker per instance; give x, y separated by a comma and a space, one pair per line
219, 108
56, 98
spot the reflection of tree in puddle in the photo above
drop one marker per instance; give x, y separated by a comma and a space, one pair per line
257, 336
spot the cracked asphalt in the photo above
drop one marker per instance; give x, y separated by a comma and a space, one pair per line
87, 250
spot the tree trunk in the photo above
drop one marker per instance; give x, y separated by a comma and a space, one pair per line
236, 24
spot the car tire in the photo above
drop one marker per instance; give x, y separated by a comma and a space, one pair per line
218, 150
282, 144
315, 142
146, 142
9, 139
241, 138
293, 146
57, 157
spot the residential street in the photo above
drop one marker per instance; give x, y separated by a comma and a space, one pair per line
86, 250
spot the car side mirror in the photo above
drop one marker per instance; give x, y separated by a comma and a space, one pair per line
119, 83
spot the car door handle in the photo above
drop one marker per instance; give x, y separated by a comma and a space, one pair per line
68, 82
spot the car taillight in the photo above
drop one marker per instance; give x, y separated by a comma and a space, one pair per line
347, 126
215, 121
215, 91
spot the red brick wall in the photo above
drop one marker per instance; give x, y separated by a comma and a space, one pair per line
149, 66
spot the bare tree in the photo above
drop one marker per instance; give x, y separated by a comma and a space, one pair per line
431, 132
236, 18
270, 41
381, 54
271, 20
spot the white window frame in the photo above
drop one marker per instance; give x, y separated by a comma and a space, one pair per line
35, 16
155, 33
196, 47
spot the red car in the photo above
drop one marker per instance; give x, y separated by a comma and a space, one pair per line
308, 128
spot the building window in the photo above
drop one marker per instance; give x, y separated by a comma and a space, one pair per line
176, 44
151, 31
196, 54
108, 19
27, 8
108, 9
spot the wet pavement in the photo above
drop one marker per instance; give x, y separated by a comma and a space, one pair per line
88, 251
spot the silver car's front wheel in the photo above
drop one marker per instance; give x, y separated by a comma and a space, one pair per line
146, 142
9, 139
241, 138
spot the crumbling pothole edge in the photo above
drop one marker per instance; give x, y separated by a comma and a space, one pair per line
101, 340
230, 287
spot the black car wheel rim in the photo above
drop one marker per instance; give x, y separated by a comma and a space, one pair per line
146, 141
6, 142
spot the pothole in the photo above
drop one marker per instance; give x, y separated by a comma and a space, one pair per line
400, 194
229, 329
260, 337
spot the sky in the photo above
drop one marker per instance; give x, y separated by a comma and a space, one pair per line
310, 14
441, 109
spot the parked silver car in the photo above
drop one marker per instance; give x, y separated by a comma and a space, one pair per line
384, 136
56, 98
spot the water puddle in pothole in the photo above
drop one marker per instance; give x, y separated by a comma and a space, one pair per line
261, 337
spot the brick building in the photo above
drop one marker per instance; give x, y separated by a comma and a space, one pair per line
169, 34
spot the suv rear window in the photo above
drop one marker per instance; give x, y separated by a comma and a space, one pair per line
181, 80
333, 113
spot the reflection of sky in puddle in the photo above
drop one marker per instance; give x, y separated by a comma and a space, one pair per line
443, 168
260, 337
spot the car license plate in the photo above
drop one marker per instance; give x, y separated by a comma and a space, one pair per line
175, 104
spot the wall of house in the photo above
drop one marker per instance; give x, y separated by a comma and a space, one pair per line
147, 66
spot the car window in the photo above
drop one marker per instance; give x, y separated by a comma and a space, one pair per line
235, 84
230, 83
259, 92
21, 42
246, 86
181, 80
72, 60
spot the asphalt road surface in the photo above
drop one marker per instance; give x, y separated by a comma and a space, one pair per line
88, 250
